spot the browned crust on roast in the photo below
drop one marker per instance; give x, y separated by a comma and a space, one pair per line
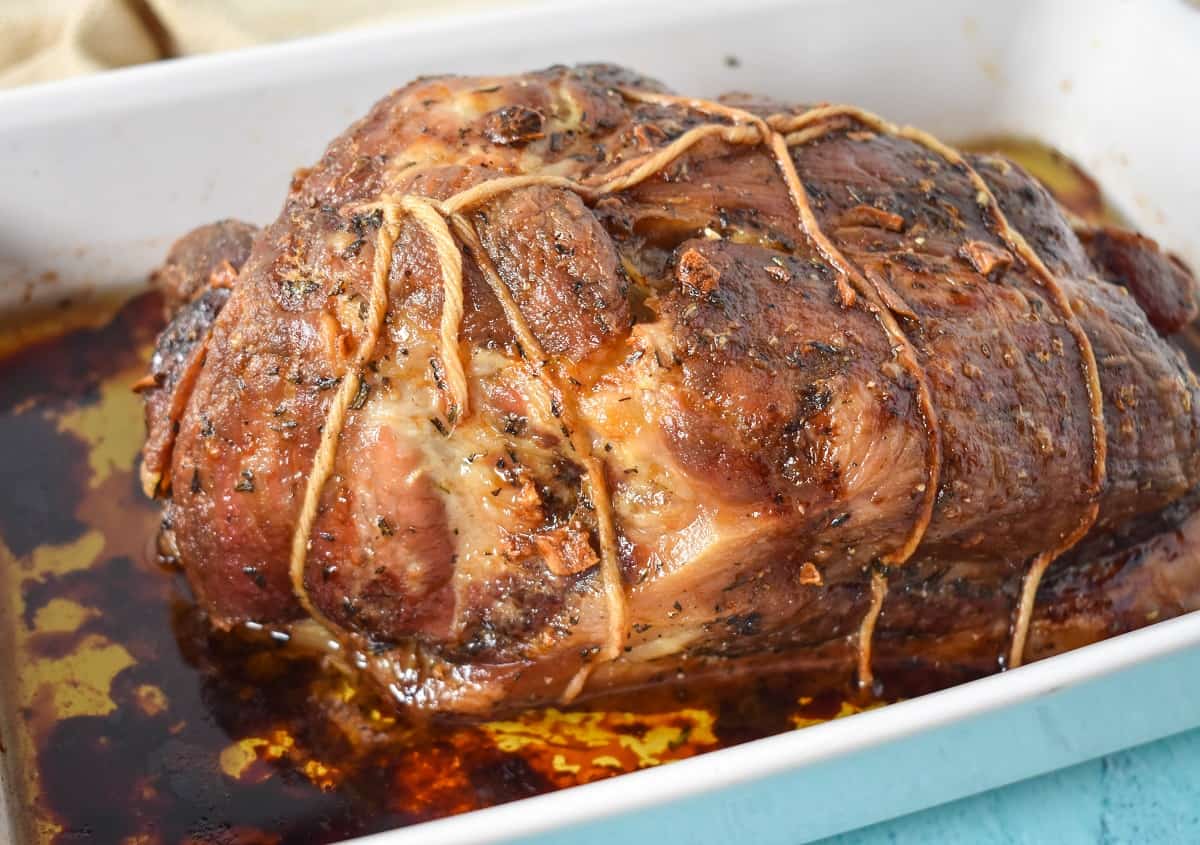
843, 347
194, 258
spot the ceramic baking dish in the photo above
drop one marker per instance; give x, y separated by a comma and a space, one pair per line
100, 174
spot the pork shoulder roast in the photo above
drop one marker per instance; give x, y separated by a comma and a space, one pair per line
555, 384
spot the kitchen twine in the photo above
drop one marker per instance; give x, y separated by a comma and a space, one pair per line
445, 223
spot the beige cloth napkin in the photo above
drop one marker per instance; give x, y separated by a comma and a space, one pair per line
42, 40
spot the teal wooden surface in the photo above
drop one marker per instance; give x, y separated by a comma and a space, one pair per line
1147, 794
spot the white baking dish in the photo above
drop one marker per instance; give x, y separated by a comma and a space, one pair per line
99, 174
